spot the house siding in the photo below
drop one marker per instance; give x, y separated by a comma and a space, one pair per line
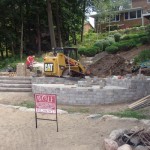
143, 4
87, 27
140, 3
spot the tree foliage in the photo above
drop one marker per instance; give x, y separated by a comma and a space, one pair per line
29, 19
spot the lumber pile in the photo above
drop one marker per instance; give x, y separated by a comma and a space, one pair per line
8, 74
4, 73
141, 103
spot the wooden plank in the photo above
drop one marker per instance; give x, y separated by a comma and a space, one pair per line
140, 100
145, 100
141, 106
7, 73
140, 103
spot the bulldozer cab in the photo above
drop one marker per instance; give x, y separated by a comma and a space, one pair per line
67, 51
63, 62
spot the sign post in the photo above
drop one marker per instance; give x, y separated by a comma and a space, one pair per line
45, 103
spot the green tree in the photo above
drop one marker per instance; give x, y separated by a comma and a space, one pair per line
25, 25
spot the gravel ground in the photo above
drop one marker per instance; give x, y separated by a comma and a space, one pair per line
77, 131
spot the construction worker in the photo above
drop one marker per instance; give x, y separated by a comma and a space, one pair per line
29, 62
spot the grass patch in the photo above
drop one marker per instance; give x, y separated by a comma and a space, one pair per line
27, 104
131, 114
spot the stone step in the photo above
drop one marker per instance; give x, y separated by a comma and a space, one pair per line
16, 85
3, 89
15, 78
15, 81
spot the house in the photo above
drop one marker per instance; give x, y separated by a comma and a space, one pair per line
138, 14
87, 26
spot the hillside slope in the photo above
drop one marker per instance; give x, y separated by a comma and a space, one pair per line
104, 64
128, 55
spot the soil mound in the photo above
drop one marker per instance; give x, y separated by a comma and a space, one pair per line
145, 71
109, 64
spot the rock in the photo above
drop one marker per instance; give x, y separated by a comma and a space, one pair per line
135, 140
109, 117
116, 133
140, 147
94, 116
110, 144
125, 147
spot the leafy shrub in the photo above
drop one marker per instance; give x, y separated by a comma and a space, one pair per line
142, 28
148, 30
82, 50
91, 51
2, 64
134, 29
126, 31
102, 44
112, 28
110, 39
125, 45
114, 32
99, 45
145, 40
106, 43
91, 31
143, 56
117, 37
112, 49
12, 61
131, 36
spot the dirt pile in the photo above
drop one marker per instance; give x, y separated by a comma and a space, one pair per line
145, 71
109, 64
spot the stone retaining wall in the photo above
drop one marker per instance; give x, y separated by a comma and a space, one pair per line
115, 91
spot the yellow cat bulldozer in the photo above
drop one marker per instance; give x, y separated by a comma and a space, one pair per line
63, 62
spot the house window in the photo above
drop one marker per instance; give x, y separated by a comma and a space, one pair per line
133, 15
116, 18
126, 16
139, 13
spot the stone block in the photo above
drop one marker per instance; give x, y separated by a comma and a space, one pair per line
125, 147
21, 69
116, 133
140, 147
110, 144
